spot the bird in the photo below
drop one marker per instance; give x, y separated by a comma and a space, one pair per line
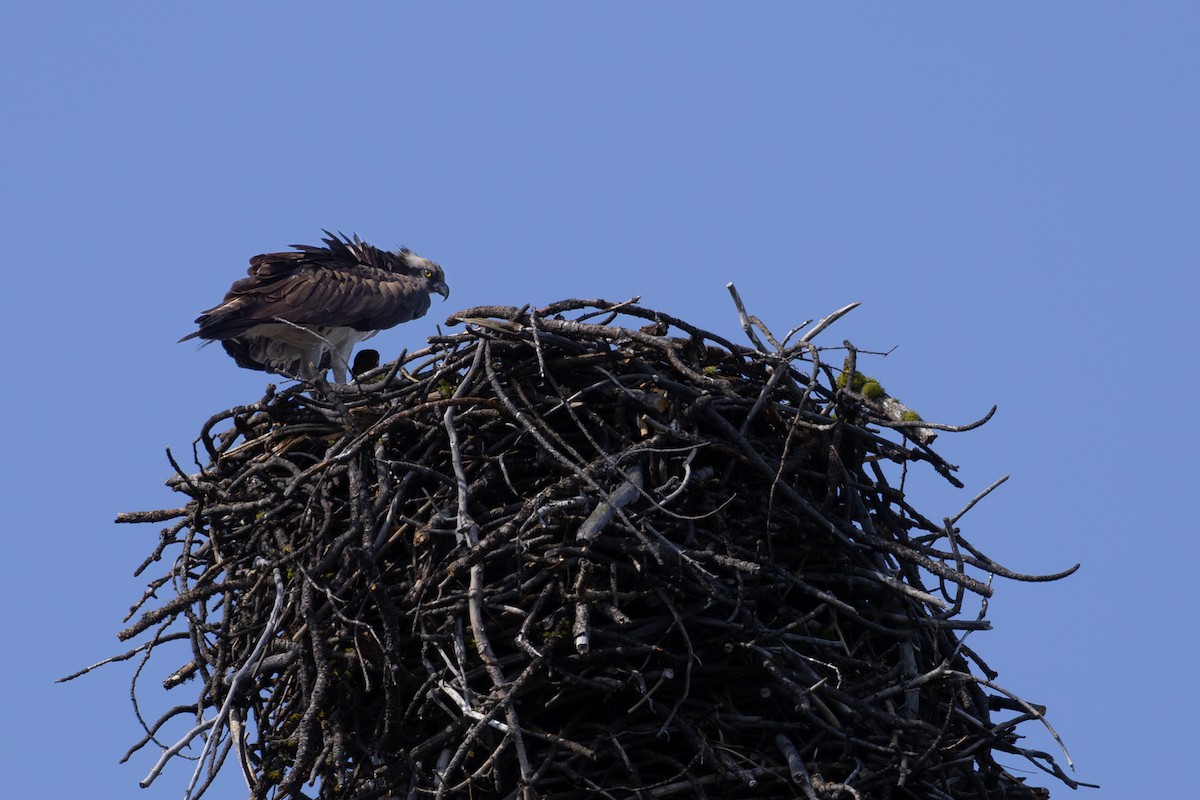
364, 362
300, 313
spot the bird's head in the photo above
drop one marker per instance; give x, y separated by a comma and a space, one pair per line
430, 272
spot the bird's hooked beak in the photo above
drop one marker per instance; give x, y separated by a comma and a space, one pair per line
441, 288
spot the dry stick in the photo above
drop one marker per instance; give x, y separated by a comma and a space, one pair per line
994, 485
218, 722
831, 789
581, 628
470, 531
306, 731
606, 509
152, 730
745, 318
796, 768
1040, 716
152, 516
627, 307
611, 309
778, 372
749, 322
173, 607
825, 323
128, 654
656, 343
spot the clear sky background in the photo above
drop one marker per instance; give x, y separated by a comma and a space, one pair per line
1012, 191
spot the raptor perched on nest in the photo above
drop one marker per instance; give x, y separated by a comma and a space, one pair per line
300, 313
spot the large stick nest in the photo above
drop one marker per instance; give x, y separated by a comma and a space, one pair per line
552, 555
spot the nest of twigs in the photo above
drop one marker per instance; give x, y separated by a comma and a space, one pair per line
553, 555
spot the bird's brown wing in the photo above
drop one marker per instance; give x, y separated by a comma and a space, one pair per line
291, 287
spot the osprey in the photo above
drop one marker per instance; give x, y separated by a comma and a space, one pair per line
301, 313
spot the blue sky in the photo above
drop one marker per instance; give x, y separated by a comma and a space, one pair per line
1012, 191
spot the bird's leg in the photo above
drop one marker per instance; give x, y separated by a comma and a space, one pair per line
308, 367
339, 360
337, 363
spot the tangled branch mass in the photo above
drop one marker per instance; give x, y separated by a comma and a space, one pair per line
584, 549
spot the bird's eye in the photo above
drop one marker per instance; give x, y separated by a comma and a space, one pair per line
428, 273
